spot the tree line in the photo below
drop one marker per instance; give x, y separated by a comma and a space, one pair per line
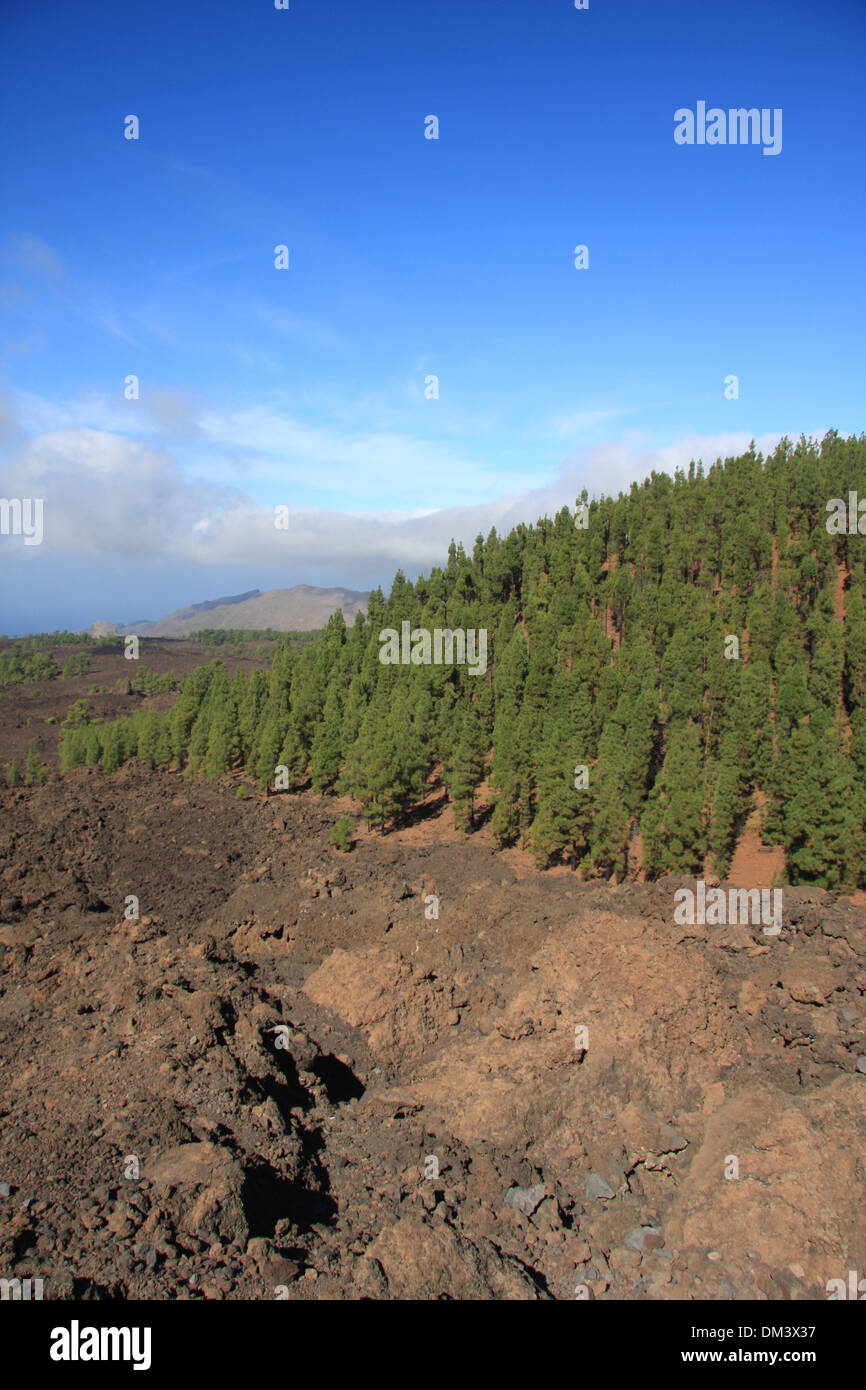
615, 704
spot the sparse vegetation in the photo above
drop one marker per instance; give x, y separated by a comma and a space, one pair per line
77, 665
34, 769
342, 833
144, 681
25, 662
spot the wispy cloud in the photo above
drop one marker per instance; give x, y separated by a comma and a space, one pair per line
35, 255
297, 327
573, 424
112, 326
188, 269
332, 461
22, 347
13, 296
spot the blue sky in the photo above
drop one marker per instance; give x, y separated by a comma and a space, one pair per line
408, 257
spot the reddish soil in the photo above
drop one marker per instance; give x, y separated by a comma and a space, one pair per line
289, 1077
756, 865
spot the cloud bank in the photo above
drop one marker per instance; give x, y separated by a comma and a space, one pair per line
109, 497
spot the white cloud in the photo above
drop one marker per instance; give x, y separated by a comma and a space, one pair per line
105, 495
108, 496
265, 448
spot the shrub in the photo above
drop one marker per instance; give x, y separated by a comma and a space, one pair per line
341, 834
34, 769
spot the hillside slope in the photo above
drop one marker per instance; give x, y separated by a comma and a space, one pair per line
298, 609
649, 672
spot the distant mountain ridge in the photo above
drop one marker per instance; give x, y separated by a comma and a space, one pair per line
288, 610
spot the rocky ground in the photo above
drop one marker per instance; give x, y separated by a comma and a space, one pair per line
287, 1078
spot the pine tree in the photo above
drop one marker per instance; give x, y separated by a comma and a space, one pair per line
180, 722
265, 756
162, 752
223, 746
824, 813
73, 749
250, 706
34, 769
612, 821
341, 834
326, 753
293, 755
385, 766
730, 804
673, 821
148, 725
507, 768
92, 748
109, 741
465, 767
564, 806
199, 739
